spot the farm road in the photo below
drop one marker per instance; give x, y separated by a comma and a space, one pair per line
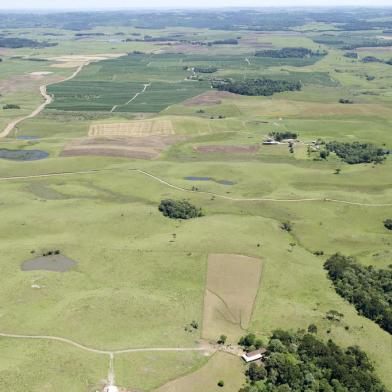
217, 195
48, 99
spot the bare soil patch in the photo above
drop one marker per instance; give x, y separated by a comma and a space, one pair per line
230, 149
134, 147
209, 98
139, 128
231, 289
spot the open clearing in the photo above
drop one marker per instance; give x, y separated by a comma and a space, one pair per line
129, 147
231, 289
221, 366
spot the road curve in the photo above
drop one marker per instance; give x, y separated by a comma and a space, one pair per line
217, 195
48, 99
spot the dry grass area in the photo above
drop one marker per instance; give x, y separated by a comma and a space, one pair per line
72, 61
221, 366
231, 289
209, 98
230, 149
138, 129
136, 147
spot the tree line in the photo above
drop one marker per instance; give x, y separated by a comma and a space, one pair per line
367, 288
288, 53
256, 87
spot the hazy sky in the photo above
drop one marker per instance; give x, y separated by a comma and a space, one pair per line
115, 4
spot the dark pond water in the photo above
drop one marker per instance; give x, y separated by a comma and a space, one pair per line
56, 263
23, 155
25, 137
222, 182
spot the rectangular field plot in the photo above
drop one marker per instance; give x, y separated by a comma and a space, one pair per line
118, 85
232, 286
76, 95
133, 129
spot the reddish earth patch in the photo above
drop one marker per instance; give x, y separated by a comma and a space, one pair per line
138, 147
228, 149
209, 98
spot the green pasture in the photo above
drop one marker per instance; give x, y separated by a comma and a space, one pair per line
140, 277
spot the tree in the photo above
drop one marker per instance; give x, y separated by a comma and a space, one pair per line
337, 171
324, 154
256, 372
221, 383
222, 339
388, 224
312, 328
287, 226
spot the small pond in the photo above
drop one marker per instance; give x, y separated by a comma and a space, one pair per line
26, 137
56, 263
23, 155
222, 182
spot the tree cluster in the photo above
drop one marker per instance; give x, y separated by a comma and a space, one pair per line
14, 43
279, 136
346, 101
11, 106
208, 69
256, 87
353, 153
286, 53
179, 209
301, 362
369, 289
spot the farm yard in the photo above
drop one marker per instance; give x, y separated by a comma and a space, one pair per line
138, 299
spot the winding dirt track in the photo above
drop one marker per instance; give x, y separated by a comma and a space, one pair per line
48, 99
236, 199
98, 351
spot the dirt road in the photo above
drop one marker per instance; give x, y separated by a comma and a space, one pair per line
48, 99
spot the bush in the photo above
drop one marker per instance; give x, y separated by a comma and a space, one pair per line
388, 224
179, 209
346, 101
287, 226
221, 383
11, 106
312, 328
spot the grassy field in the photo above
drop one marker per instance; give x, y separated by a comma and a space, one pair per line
140, 278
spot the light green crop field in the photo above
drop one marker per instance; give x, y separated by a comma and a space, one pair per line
140, 278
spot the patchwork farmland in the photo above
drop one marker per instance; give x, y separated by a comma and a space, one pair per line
173, 186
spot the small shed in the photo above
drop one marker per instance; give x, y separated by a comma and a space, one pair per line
254, 355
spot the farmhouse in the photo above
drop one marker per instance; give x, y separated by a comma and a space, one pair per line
254, 355
270, 142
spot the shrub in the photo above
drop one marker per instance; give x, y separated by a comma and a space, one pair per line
179, 209
287, 226
11, 106
221, 383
